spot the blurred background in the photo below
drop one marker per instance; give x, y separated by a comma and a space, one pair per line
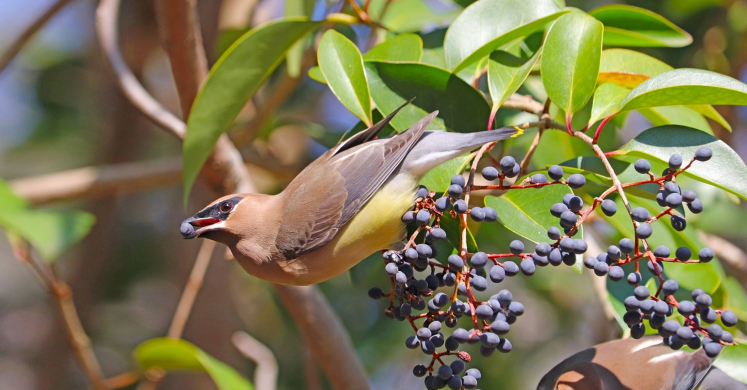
61, 109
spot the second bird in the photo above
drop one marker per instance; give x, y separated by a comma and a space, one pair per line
343, 207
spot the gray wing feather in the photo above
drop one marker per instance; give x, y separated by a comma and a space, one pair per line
344, 182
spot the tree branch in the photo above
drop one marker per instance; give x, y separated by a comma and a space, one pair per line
194, 283
29, 33
327, 338
63, 295
107, 14
266, 373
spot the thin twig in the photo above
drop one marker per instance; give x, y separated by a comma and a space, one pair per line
530, 153
106, 27
29, 33
266, 373
63, 296
329, 341
525, 103
194, 283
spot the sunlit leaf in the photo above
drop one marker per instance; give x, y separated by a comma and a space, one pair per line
508, 69
686, 87
487, 25
607, 99
570, 60
461, 107
402, 48
342, 66
179, 355
232, 81
625, 25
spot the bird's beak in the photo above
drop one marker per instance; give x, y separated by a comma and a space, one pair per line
192, 227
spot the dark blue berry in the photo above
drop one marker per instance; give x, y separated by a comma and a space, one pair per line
489, 173
576, 180
555, 172
703, 153
609, 207
642, 166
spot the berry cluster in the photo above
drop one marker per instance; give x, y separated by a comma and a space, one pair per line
416, 276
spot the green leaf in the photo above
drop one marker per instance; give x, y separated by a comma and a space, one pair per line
342, 66
736, 300
294, 57
179, 355
439, 178
507, 70
686, 87
732, 361
51, 233
231, 83
725, 169
401, 48
625, 25
629, 61
316, 74
629, 69
570, 61
405, 16
607, 99
676, 115
461, 107
525, 212
487, 25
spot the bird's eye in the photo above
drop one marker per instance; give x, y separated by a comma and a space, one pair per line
226, 207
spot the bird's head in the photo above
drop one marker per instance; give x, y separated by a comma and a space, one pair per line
214, 221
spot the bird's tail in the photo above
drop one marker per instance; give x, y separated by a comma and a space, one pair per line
437, 147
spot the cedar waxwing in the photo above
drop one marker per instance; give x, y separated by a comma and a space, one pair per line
344, 206
644, 364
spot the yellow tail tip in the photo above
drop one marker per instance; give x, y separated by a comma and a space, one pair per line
519, 131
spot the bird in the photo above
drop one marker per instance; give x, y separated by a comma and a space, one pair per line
344, 206
643, 364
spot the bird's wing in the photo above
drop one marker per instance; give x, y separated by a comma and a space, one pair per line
330, 191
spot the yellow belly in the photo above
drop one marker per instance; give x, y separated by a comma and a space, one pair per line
377, 226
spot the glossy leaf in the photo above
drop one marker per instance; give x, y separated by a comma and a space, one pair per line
525, 212
461, 107
732, 360
231, 83
686, 87
507, 70
401, 48
294, 57
725, 169
316, 74
179, 355
51, 233
607, 99
409, 16
487, 25
570, 60
625, 25
342, 66
629, 69
676, 115
439, 178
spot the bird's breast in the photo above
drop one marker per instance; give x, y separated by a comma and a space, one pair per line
377, 225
